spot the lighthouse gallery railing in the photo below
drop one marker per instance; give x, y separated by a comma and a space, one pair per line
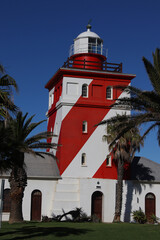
91, 65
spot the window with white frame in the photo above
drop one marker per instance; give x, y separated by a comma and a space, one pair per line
109, 92
108, 161
84, 90
84, 127
83, 159
51, 99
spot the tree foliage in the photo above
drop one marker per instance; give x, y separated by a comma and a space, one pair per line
7, 83
16, 141
145, 105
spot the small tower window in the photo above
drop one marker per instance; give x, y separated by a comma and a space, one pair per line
109, 92
108, 161
51, 99
83, 159
84, 90
84, 127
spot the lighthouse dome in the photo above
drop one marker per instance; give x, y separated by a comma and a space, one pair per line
87, 42
88, 33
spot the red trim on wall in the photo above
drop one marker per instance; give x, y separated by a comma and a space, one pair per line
87, 74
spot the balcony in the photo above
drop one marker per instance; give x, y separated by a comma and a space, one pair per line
92, 65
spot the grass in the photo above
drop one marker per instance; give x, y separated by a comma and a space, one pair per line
79, 231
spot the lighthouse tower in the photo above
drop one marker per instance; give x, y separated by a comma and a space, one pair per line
80, 95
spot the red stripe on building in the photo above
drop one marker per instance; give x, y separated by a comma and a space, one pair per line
93, 110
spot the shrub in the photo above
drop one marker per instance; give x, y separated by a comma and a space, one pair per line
95, 219
46, 219
153, 218
139, 216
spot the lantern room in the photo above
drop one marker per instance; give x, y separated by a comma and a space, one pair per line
88, 42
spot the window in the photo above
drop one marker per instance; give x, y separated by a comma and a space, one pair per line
108, 161
92, 45
109, 94
150, 196
84, 90
83, 159
95, 45
51, 99
6, 200
84, 127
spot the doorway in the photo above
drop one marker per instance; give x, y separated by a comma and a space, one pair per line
97, 204
36, 202
150, 205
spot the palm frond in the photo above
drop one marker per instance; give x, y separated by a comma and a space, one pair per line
43, 145
42, 154
156, 60
2, 68
153, 74
31, 127
149, 129
14, 141
40, 136
7, 82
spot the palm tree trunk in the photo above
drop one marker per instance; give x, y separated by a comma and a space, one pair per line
119, 191
18, 182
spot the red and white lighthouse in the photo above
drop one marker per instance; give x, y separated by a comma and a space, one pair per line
80, 95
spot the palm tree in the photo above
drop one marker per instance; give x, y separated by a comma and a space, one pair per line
6, 84
145, 104
123, 151
17, 142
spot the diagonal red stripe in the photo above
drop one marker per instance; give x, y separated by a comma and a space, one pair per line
71, 137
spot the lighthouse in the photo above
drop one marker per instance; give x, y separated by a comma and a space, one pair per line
81, 93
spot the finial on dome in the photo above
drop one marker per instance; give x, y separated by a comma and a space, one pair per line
89, 25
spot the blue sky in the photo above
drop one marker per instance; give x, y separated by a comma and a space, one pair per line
35, 36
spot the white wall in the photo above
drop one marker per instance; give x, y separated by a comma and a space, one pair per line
89, 186
47, 188
134, 197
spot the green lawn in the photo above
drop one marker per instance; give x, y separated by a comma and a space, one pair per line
81, 231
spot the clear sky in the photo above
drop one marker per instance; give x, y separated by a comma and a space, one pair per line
35, 36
